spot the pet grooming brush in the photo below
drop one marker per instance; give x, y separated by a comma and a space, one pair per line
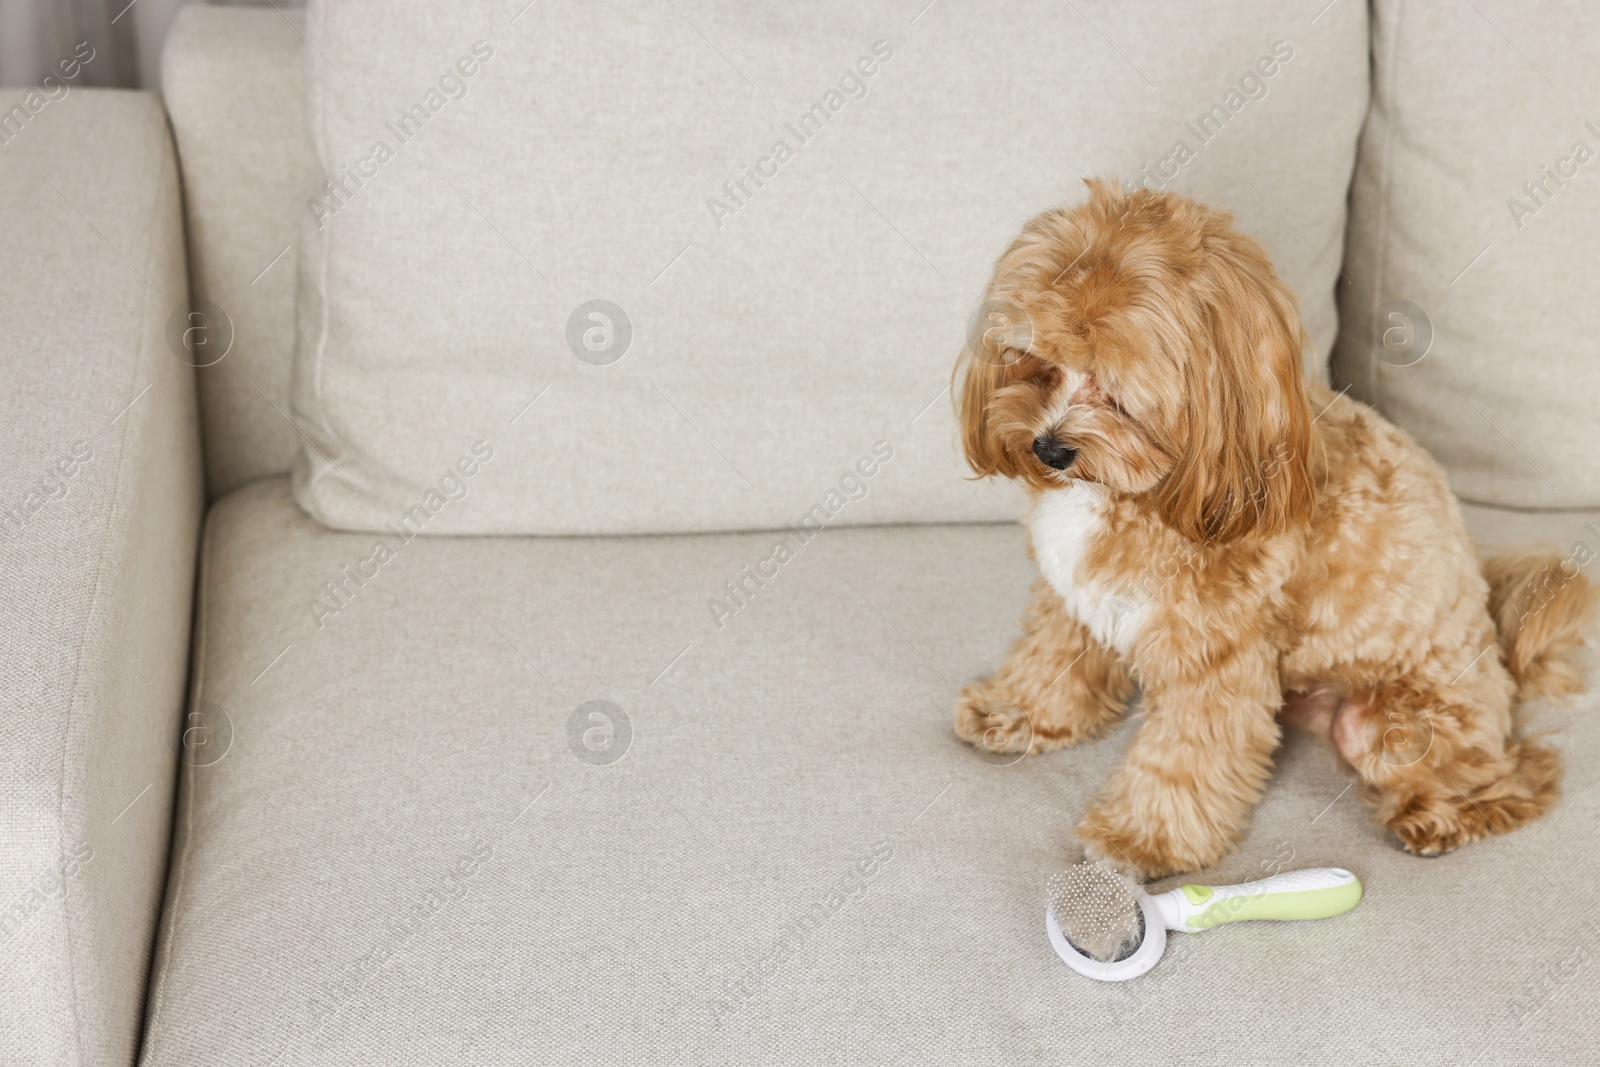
1106, 927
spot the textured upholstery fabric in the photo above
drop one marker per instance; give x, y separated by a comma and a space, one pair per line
415, 852
1477, 201
1506, 528
234, 83
494, 172
100, 501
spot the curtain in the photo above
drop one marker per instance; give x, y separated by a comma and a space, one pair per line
88, 42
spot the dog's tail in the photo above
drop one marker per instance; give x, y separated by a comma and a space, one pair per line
1542, 605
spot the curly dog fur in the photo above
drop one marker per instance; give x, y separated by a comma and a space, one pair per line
1243, 545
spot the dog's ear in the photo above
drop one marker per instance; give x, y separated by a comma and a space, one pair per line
1249, 465
988, 363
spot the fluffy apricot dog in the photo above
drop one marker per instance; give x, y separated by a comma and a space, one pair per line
1239, 544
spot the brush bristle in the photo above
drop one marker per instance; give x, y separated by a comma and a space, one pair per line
1097, 910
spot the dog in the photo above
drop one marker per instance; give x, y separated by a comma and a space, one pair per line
1243, 546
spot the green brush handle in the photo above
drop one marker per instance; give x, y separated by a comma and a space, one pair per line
1314, 893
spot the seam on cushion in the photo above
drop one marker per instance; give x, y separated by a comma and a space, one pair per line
156, 998
96, 600
1518, 509
328, 435
1378, 271
318, 123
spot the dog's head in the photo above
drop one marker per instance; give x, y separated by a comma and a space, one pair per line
1141, 342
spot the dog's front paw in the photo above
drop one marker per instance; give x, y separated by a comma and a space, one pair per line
1131, 857
993, 724
1145, 853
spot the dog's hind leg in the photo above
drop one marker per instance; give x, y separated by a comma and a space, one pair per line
1441, 754
1058, 686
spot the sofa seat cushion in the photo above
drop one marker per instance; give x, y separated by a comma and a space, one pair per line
424, 844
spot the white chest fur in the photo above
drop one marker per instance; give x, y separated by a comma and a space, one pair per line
1065, 523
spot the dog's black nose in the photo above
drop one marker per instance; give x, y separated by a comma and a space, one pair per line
1053, 453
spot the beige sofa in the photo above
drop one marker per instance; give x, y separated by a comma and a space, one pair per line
533, 799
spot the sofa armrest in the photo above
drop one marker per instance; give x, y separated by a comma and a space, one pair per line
100, 506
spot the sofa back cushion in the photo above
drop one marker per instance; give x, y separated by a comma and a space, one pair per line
233, 80
1471, 319
623, 268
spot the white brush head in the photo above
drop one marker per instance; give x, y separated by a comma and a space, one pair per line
1098, 911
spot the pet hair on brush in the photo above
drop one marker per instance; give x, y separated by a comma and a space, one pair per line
1098, 911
